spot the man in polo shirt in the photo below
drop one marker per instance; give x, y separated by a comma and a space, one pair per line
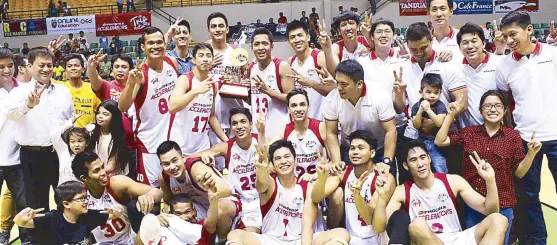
356, 108
529, 74
478, 67
424, 61
180, 33
440, 13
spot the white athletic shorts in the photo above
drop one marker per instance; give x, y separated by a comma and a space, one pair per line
271, 240
251, 213
148, 169
381, 239
465, 237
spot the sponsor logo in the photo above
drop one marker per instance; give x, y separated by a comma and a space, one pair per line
416, 203
437, 228
311, 144
139, 22
155, 81
236, 157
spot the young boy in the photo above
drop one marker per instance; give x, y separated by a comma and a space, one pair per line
431, 108
71, 222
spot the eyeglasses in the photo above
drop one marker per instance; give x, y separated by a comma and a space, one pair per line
81, 199
497, 106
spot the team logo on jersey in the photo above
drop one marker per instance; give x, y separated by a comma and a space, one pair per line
442, 197
311, 144
416, 203
437, 228
169, 73
298, 201
271, 79
91, 204
106, 197
311, 72
155, 81
176, 190
295, 145
236, 157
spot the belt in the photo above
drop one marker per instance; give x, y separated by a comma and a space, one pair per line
38, 148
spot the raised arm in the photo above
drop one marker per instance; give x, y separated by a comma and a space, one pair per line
208, 156
264, 184
308, 218
534, 147
25, 217
325, 185
329, 50
167, 193
92, 73
133, 85
210, 223
203, 175
21, 102
399, 90
146, 195
331, 127
442, 138
388, 202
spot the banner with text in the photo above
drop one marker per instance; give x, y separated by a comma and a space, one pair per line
70, 24
122, 24
412, 7
30, 27
506, 6
473, 7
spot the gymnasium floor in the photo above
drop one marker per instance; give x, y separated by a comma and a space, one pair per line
547, 195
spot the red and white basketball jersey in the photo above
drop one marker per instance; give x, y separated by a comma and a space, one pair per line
343, 53
190, 126
277, 115
306, 148
241, 171
116, 230
438, 206
282, 214
355, 225
223, 105
309, 69
152, 119
188, 186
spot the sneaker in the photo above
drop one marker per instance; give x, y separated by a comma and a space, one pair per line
4, 237
150, 231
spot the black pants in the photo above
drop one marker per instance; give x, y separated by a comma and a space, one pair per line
13, 175
129, 5
120, 7
397, 228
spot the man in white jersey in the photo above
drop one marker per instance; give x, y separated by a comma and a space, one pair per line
430, 199
181, 226
104, 191
306, 64
270, 81
190, 176
528, 73
354, 106
285, 202
239, 153
349, 47
148, 88
444, 41
358, 185
478, 67
424, 60
193, 102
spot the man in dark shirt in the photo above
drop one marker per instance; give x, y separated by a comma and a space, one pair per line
71, 223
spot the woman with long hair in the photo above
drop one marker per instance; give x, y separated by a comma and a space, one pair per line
108, 139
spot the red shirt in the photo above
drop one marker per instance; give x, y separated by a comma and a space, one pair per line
504, 151
111, 90
282, 20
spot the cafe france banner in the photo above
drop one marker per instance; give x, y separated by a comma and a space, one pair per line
70, 24
412, 7
506, 6
29, 27
473, 7
122, 24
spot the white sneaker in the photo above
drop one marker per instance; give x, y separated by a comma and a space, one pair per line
150, 230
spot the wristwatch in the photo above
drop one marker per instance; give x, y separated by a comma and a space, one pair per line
387, 161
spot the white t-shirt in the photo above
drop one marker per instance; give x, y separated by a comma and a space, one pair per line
449, 43
9, 155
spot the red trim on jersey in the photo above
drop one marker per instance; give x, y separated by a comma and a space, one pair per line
138, 103
362, 40
267, 206
141, 167
206, 236
166, 178
288, 130
431, 59
229, 151
314, 53
372, 187
250, 67
112, 193
407, 185
373, 55
443, 178
190, 77
516, 56
172, 117
15, 82
340, 49
304, 185
349, 169
171, 63
277, 73
314, 127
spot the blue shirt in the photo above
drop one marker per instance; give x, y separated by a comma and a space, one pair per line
184, 65
103, 41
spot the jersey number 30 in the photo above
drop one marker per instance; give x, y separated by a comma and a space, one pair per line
113, 226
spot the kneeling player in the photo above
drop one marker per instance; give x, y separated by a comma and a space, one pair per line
358, 184
284, 204
430, 199
240, 153
190, 177
104, 191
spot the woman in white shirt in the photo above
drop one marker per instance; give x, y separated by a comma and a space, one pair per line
108, 140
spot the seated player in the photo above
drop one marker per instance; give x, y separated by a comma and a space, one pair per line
430, 199
240, 153
187, 176
358, 184
72, 221
182, 225
285, 204
104, 191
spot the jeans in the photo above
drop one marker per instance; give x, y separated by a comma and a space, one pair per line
438, 160
403, 174
534, 224
120, 7
13, 175
129, 5
474, 217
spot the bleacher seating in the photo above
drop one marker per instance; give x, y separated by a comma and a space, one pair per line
43, 4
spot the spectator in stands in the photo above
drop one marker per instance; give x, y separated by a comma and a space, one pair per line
82, 36
271, 21
67, 10
488, 33
399, 36
103, 42
6, 45
60, 9
52, 11
304, 19
105, 67
258, 23
373, 4
313, 15
83, 46
4, 8
120, 5
341, 10
25, 49
70, 37
282, 19
130, 4
180, 33
74, 46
